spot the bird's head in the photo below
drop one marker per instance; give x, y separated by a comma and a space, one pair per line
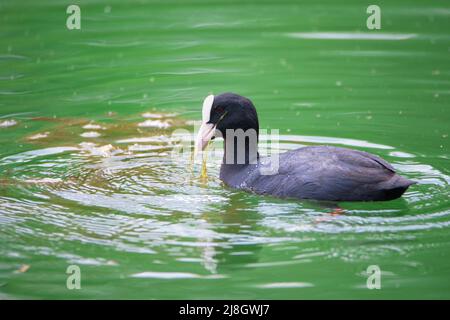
223, 112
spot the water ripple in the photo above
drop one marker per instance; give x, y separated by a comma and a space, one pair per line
127, 192
351, 36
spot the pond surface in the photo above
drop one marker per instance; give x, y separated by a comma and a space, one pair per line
90, 120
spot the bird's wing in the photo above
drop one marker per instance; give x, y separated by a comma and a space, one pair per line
362, 159
324, 172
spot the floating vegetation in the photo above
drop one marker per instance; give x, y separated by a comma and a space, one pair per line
152, 115
93, 126
145, 147
44, 180
154, 124
158, 115
102, 151
7, 123
39, 136
204, 173
90, 134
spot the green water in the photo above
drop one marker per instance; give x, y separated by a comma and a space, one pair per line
134, 218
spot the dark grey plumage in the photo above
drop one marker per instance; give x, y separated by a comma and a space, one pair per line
321, 173
315, 172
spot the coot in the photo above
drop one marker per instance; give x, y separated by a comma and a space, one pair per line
314, 172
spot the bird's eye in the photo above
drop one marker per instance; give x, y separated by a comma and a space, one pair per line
219, 109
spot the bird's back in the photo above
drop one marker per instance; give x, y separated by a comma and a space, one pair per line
325, 173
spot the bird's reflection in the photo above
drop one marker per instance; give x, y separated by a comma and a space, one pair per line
236, 217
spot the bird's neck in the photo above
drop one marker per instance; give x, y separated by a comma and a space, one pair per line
240, 151
238, 162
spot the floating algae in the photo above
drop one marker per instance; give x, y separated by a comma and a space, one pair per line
204, 175
39, 136
7, 123
191, 164
203, 172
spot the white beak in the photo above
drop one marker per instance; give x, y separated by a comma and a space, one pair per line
206, 129
205, 134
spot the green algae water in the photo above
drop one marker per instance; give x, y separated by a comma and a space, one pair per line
88, 176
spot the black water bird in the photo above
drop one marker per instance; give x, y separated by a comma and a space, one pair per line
315, 172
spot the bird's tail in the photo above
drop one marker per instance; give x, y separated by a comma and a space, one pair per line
396, 187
